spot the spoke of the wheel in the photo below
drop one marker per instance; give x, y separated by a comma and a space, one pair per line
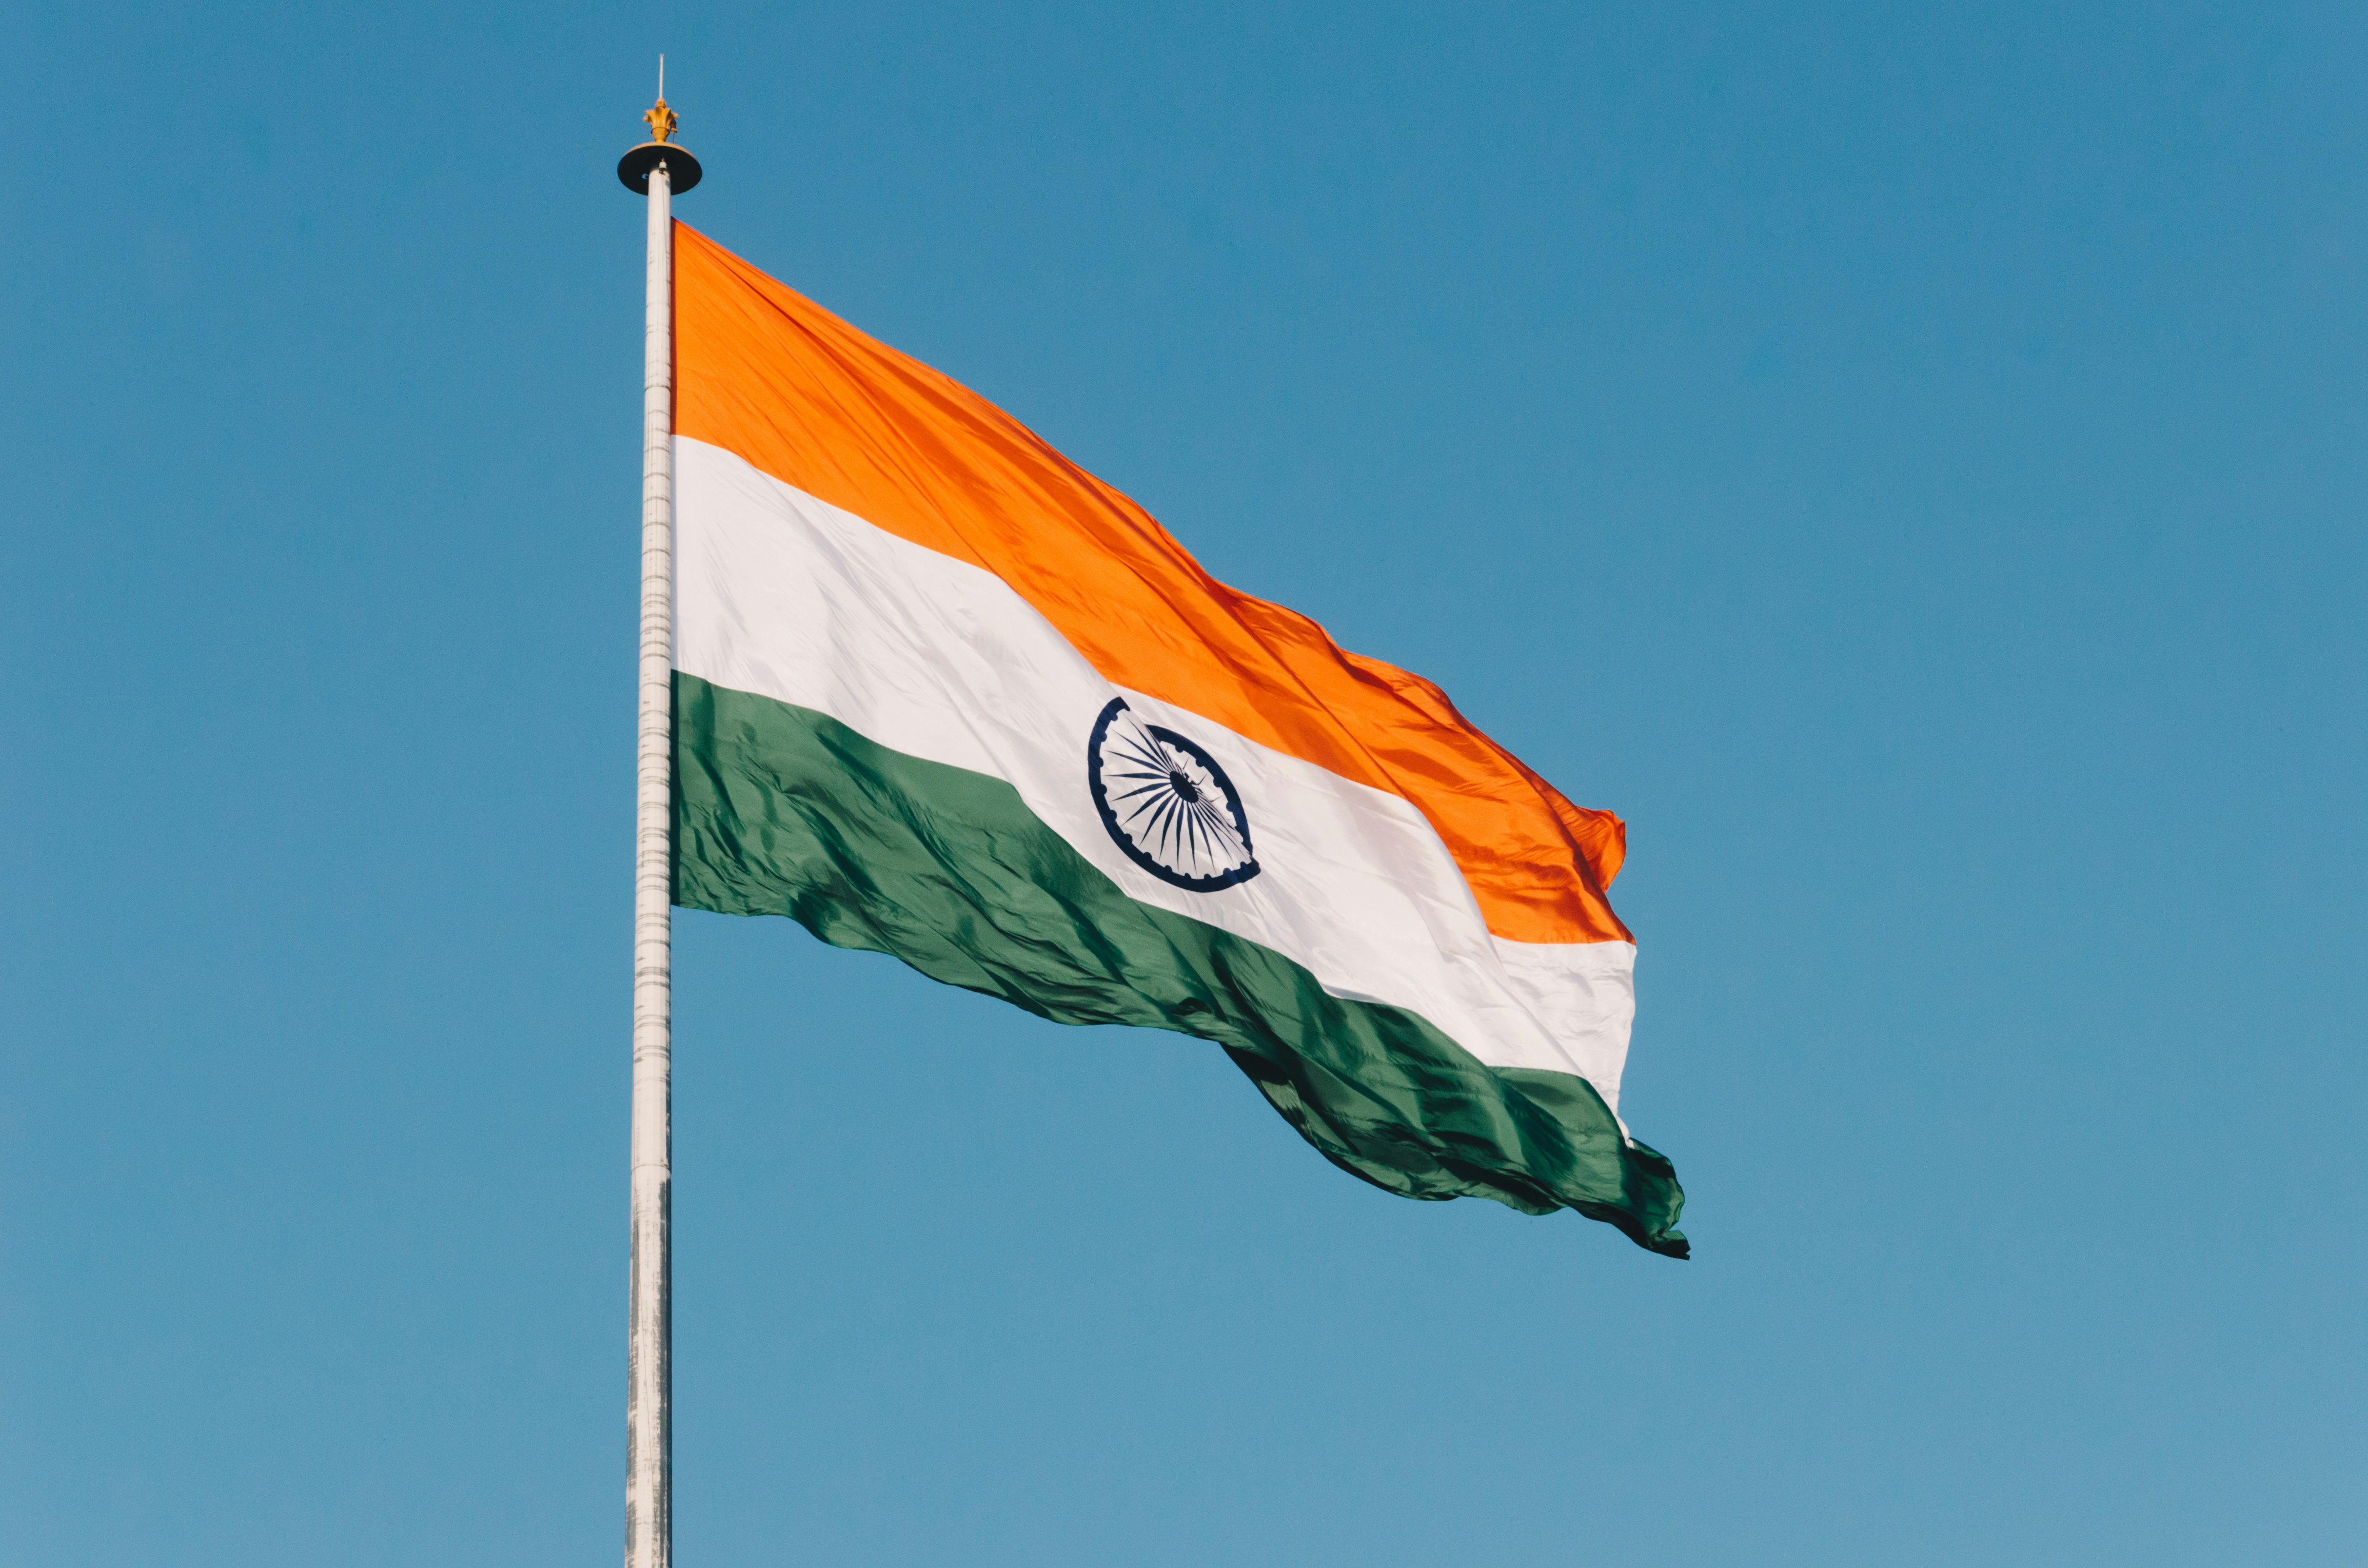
1148, 752
1157, 829
1220, 831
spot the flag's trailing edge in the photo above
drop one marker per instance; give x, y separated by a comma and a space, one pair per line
940, 693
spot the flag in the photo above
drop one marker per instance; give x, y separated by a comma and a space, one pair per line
941, 694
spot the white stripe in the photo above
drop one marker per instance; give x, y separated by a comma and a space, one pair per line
783, 595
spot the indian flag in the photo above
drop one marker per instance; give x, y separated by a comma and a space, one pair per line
942, 694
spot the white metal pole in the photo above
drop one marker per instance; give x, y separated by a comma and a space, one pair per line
649, 1440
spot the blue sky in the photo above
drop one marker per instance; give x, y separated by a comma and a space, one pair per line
1909, 461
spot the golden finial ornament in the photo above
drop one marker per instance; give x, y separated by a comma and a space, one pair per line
660, 151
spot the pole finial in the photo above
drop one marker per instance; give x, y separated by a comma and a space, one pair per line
662, 122
661, 119
661, 149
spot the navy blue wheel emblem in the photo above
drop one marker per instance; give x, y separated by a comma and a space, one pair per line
1167, 803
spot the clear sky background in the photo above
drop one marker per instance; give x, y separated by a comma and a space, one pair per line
1907, 460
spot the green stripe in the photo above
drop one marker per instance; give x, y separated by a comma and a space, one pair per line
780, 810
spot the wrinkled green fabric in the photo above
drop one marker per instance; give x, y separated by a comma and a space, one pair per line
780, 810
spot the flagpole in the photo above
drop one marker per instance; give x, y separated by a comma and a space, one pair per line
659, 169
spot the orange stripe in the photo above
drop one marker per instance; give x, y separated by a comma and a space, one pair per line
768, 374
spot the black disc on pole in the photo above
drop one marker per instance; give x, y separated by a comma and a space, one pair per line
634, 168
